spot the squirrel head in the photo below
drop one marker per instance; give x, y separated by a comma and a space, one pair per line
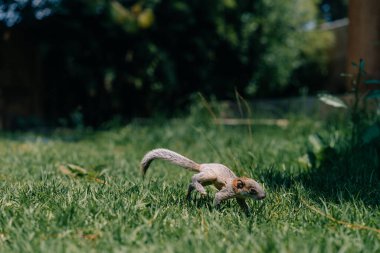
247, 187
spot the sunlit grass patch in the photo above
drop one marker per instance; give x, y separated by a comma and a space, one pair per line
46, 210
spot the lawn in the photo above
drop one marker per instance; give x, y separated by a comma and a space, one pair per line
113, 210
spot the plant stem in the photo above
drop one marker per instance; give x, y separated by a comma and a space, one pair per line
355, 110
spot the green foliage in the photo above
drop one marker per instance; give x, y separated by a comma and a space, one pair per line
287, 50
140, 57
364, 134
319, 153
43, 210
361, 117
332, 100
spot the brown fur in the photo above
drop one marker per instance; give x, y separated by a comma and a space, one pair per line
228, 184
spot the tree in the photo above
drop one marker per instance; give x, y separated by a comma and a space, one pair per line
131, 58
364, 35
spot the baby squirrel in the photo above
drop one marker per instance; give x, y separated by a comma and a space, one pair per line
228, 184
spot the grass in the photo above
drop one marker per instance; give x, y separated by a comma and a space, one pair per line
43, 210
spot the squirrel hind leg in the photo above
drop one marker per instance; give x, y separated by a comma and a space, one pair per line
199, 180
196, 182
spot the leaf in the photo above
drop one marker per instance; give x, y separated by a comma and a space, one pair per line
372, 81
361, 64
332, 100
373, 94
72, 170
98, 167
316, 142
307, 160
346, 75
145, 19
2, 237
371, 133
89, 236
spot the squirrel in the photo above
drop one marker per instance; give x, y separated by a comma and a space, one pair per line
227, 183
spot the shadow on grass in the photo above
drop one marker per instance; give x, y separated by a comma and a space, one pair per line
199, 202
45, 136
349, 174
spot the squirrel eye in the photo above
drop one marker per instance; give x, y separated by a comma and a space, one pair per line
240, 184
253, 191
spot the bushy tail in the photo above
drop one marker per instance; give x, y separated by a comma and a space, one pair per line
168, 155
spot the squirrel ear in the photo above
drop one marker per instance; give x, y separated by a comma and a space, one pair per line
239, 184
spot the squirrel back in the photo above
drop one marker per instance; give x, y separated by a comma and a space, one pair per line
170, 156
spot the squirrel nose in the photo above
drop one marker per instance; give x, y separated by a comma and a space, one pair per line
261, 196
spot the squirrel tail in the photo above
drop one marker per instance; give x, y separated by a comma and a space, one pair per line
170, 156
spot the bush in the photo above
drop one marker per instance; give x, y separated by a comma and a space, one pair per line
140, 57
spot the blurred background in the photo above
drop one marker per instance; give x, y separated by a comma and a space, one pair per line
70, 62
